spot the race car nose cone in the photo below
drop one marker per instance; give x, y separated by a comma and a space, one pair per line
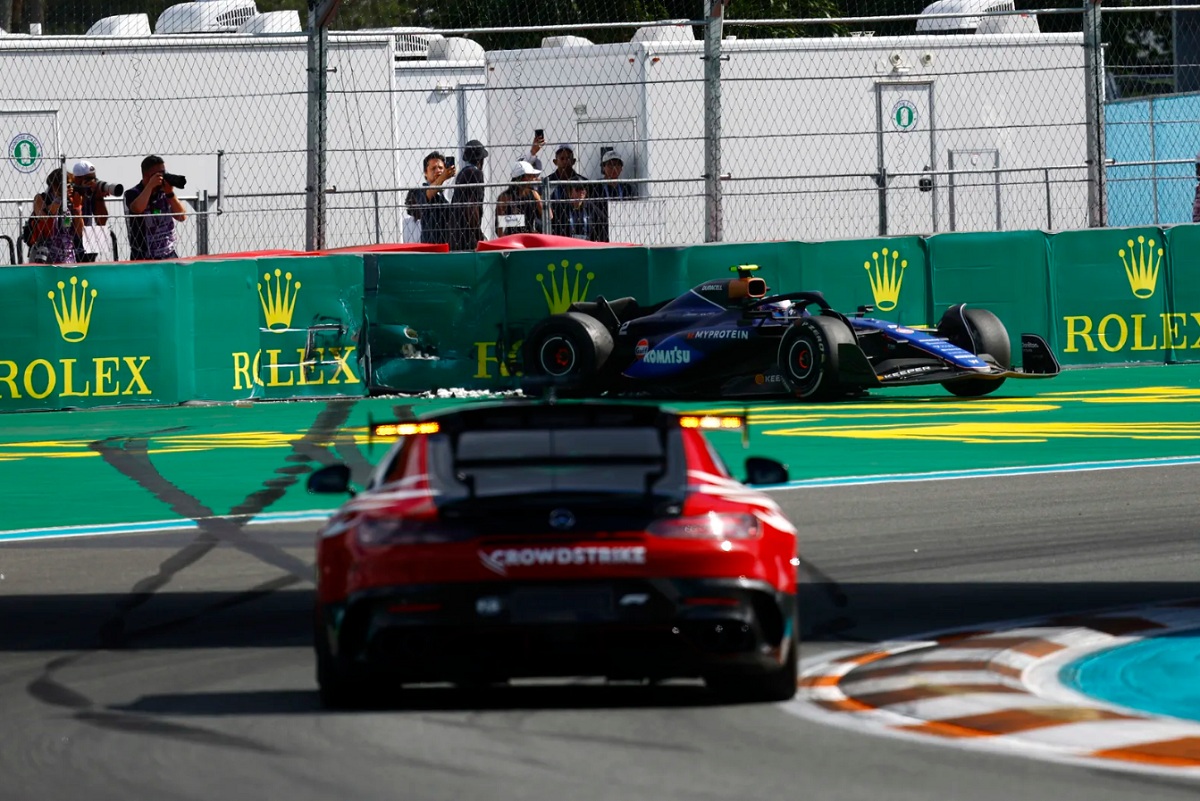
562, 520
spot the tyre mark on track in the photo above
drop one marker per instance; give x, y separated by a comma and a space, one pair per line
129, 456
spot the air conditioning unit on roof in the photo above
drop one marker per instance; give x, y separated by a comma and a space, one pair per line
972, 15
206, 16
664, 33
272, 22
455, 48
565, 41
121, 25
410, 42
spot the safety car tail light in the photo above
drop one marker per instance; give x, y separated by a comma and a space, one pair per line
380, 531
712, 526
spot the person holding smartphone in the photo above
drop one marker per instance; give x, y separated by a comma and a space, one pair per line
539, 141
428, 207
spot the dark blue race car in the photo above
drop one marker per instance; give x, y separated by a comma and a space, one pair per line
728, 338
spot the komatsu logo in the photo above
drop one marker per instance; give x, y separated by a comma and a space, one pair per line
668, 356
719, 333
499, 560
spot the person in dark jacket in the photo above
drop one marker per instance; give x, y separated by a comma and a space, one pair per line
467, 211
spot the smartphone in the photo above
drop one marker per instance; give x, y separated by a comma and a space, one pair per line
539, 133
449, 161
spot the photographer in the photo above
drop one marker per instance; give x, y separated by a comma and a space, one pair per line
153, 211
95, 210
56, 224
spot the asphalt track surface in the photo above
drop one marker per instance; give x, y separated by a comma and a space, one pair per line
177, 665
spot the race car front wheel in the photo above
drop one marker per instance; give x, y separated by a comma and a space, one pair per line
566, 352
980, 332
808, 357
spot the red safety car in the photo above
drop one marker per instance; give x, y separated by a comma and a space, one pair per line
525, 539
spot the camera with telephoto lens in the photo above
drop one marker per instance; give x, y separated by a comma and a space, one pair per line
105, 188
177, 181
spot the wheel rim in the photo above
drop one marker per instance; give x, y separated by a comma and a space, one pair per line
801, 360
557, 356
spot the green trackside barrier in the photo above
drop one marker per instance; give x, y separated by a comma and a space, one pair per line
217, 307
892, 275
433, 321
1182, 329
1109, 291
88, 336
310, 318
1004, 272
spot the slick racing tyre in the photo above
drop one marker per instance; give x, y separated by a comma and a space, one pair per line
775, 685
808, 357
567, 352
980, 332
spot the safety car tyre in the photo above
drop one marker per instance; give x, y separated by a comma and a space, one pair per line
980, 332
569, 352
337, 687
808, 356
775, 685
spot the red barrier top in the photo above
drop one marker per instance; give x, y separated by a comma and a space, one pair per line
520, 241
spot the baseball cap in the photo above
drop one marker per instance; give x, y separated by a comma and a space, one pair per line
82, 168
611, 155
523, 168
564, 146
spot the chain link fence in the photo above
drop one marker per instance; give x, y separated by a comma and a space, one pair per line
653, 123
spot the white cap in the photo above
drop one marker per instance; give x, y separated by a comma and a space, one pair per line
82, 168
609, 155
523, 168
564, 146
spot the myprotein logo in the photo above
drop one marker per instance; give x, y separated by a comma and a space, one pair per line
886, 272
500, 560
719, 333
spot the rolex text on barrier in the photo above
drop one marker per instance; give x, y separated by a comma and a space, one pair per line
86, 337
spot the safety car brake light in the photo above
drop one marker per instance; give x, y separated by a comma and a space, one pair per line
381, 531
404, 429
712, 526
727, 422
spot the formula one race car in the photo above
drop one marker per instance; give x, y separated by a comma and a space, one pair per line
523, 539
728, 338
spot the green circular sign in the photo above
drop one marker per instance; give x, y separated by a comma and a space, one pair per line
904, 115
24, 152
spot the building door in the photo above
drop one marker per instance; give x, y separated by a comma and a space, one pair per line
907, 192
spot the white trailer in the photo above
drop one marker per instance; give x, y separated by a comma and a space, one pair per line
822, 138
229, 111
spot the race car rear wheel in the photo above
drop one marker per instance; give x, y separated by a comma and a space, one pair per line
980, 332
566, 351
775, 685
808, 357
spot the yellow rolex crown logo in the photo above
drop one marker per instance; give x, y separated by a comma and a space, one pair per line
560, 298
73, 315
1141, 267
886, 278
278, 300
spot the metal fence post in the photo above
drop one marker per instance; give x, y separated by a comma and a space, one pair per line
1093, 65
320, 14
202, 223
714, 19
